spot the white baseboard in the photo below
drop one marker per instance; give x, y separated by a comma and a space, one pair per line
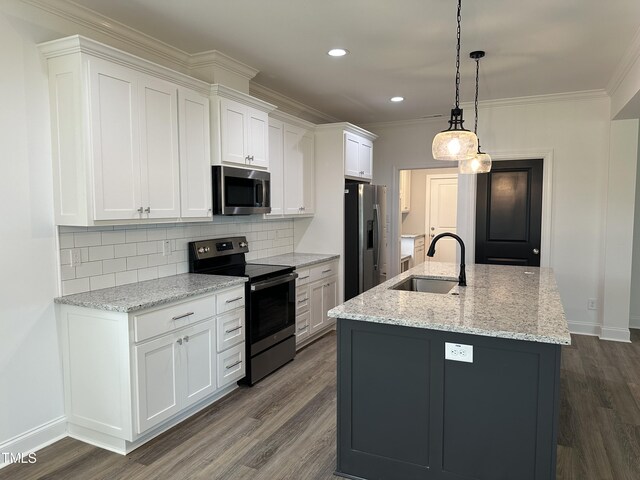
34, 439
634, 321
584, 328
616, 334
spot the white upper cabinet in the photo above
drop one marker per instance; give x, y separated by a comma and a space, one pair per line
358, 157
130, 138
195, 154
239, 129
292, 164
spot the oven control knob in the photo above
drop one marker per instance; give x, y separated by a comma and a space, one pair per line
206, 249
243, 244
201, 250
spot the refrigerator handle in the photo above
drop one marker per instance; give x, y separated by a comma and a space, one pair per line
376, 235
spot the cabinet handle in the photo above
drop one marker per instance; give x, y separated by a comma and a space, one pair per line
186, 338
233, 364
302, 278
303, 300
188, 314
140, 210
252, 158
147, 210
234, 300
326, 271
179, 341
233, 329
303, 328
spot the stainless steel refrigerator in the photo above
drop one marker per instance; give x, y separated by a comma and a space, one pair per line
365, 226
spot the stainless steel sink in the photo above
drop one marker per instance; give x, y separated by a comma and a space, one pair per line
426, 285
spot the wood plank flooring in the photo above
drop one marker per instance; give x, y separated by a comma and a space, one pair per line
284, 427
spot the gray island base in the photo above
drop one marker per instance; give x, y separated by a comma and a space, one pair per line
407, 412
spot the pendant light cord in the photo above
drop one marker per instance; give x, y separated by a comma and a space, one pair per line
458, 56
475, 128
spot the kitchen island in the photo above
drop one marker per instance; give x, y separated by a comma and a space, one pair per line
456, 385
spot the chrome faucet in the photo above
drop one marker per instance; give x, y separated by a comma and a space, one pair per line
462, 278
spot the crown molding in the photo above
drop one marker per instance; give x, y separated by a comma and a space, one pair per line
584, 95
291, 119
406, 123
215, 58
347, 127
226, 92
630, 57
289, 105
80, 44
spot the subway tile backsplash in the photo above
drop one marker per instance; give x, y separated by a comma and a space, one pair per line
119, 255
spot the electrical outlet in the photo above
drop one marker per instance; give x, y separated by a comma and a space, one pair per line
166, 248
458, 352
592, 304
75, 257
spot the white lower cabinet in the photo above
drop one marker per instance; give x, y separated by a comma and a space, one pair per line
129, 377
316, 294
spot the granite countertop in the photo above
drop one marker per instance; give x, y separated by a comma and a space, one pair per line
138, 296
298, 260
521, 303
412, 235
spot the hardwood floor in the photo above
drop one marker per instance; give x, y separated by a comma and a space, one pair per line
284, 427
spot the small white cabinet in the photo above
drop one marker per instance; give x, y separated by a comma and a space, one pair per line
292, 169
128, 377
239, 129
414, 246
405, 191
358, 157
316, 294
130, 139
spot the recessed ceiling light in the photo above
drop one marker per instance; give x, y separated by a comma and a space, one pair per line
338, 52
397, 99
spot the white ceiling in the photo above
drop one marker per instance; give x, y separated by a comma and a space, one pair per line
402, 47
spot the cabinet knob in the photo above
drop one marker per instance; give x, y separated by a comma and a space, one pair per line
147, 210
186, 338
140, 210
536, 251
179, 341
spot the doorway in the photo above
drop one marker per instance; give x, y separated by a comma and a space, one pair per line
509, 213
414, 212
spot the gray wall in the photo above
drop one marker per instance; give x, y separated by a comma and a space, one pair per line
634, 321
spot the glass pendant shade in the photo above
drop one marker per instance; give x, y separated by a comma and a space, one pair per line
456, 143
480, 163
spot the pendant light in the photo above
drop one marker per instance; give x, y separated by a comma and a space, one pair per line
481, 163
455, 143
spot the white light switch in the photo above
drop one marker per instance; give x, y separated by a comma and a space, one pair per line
458, 352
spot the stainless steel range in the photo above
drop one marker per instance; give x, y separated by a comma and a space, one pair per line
270, 301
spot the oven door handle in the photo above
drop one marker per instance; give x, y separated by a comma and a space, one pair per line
272, 282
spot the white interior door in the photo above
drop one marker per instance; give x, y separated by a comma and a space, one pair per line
441, 213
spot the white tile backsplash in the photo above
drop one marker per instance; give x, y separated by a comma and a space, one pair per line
120, 255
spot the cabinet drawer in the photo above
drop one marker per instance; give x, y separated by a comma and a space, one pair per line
419, 242
303, 276
323, 270
230, 329
163, 320
302, 299
231, 365
302, 327
230, 299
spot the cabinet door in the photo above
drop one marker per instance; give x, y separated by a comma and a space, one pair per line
230, 329
317, 314
257, 138
330, 297
365, 158
419, 255
351, 153
115, 141
293, 170
405, 191
231, 365
198, 361
307, 149
195, 157
157, 389
159, 163
276, 167
302, 327
233, 128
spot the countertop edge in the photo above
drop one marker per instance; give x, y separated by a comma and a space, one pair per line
327, 257
338, 313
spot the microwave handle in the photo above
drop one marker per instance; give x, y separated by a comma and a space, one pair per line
259, 193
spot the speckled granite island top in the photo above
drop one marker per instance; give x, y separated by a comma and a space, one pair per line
298, 260
521, 303
138, 296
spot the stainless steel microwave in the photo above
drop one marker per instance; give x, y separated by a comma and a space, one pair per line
240, 191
